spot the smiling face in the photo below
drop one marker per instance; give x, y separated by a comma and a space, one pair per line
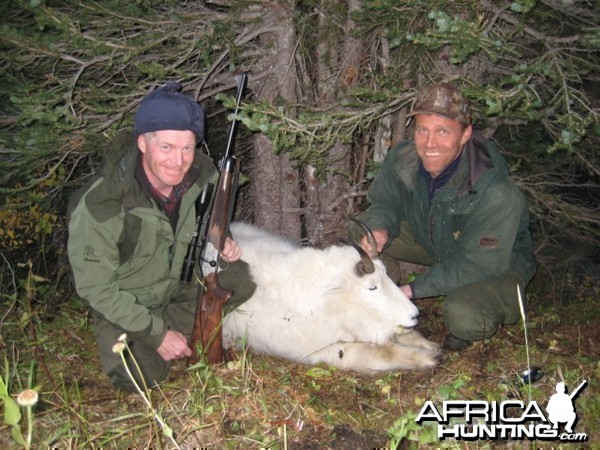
167, 155
439, 141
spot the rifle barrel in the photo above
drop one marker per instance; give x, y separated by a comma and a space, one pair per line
241, 84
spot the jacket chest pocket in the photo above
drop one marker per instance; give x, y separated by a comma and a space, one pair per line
153, 247
145, 244
445, 229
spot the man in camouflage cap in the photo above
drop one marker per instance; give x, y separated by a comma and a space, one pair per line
444, 199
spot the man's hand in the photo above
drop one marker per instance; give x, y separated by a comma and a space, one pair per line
231, 251
174, 346
407, 290
381, 238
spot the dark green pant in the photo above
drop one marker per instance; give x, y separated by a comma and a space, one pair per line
471, 312
178, 316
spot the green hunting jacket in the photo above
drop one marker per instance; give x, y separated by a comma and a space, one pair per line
125, 257
476, 225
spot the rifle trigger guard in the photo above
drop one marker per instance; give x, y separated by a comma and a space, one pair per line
223, 266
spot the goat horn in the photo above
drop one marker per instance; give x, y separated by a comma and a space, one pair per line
373, 254
365, 261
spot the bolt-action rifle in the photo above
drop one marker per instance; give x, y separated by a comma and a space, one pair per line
212, 297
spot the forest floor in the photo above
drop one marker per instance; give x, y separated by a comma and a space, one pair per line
258, 401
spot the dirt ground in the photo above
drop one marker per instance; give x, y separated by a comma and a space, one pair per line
263, 402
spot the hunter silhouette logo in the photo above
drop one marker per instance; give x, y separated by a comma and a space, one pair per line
507, 420
560, 407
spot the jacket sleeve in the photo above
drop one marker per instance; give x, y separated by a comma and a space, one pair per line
483, 243
94, 258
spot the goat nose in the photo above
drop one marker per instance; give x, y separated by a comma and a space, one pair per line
415, 317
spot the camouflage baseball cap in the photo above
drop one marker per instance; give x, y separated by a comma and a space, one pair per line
445, 100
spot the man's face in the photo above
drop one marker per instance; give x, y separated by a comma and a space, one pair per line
167, 155
439, 141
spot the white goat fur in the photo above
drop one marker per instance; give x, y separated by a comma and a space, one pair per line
312, 306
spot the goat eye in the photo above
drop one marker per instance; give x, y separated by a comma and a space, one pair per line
373, 288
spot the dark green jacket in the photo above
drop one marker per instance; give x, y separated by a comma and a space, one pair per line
476, 226
125, 257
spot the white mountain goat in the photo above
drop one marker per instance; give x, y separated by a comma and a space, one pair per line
333, 305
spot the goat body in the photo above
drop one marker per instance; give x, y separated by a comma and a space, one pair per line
317, 305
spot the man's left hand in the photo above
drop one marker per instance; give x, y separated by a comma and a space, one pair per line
407, 290
231, 251
174, 346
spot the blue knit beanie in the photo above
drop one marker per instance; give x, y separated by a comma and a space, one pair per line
166, 108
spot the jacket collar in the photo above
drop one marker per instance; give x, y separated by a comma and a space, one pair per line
119, 188
433, 184
479, 160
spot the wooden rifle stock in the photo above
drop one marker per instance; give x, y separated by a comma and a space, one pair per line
212, 297
207, 323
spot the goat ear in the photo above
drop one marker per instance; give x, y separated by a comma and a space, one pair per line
366, 263
359, 269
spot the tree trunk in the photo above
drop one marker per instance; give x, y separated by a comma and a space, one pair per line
275, 181
339, 60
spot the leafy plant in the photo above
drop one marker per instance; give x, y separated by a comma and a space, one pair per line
406, 429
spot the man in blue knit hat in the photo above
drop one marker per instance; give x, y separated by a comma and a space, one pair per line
129, 231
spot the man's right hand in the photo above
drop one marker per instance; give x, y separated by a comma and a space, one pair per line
381, 238
174, 346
